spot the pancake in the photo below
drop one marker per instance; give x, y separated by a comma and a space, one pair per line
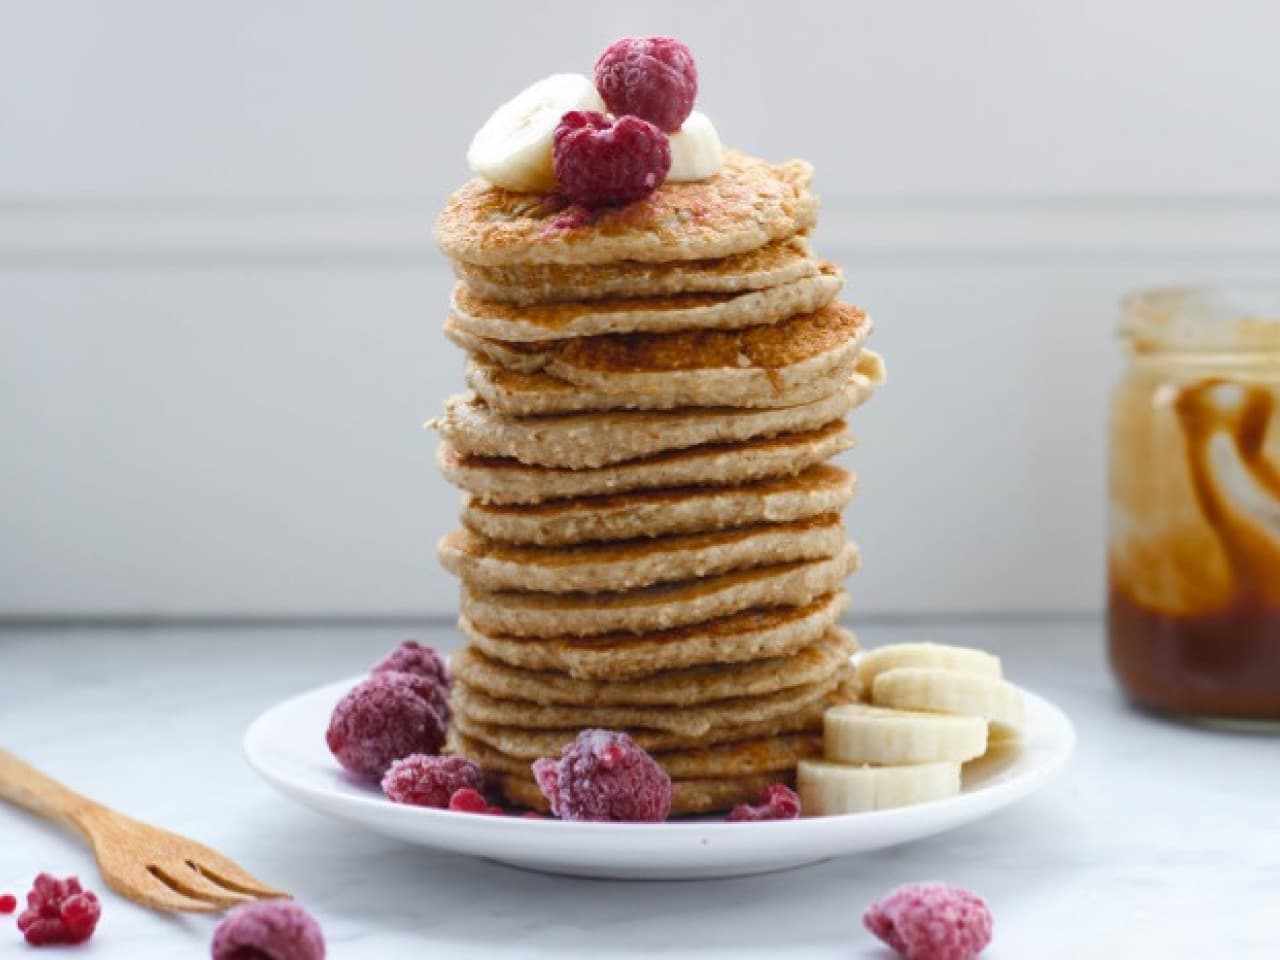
533, 743
820, 354
688, 797
661, 607
585, 441
745, 758
505, 480
624, 516
631, 564
749, 635
693, 721
549, 322
769, 266
675, 688
747, 205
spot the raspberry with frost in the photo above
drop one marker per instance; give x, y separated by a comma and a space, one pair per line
268, 930
381, 719
602, 162
422, 780
421, 661
653, 78
777, 802
603, 775
931, 921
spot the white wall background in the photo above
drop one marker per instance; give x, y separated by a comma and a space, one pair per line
220, 306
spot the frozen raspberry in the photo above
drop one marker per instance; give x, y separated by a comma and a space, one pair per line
603, 775
653, 78
8, 903
58, 911
601, 162
931, 921
425, 781
778, 802
268, 930
381, 719
468, 800
412, 657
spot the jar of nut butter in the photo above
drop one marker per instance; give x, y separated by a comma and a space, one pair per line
1194, 545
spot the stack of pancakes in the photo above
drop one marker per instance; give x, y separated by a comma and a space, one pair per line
652, 536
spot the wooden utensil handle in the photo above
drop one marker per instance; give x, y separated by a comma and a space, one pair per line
26, 786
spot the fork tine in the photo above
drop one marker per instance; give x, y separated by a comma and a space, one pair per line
149, 890
230, 876
191, 885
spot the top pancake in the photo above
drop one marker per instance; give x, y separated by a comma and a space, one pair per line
772, 265
745, 206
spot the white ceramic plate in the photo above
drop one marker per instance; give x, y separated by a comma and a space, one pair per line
286, 746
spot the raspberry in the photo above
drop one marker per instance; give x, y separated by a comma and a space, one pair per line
931, 921
412, 657
58, 911
268, 930
601, 162
778, 802
467, 800
380, 720
426, 781
653, 78
8, 903
603, 775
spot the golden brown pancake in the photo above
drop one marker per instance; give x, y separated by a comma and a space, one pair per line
769, 266
744, 207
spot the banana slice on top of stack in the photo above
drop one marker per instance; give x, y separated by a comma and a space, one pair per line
932, 709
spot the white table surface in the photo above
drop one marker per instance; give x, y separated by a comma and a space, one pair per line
1160, 840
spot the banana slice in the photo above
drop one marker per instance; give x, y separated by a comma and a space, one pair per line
830, 788
860, 733
943, 657
952, 692
696, 152
513, 148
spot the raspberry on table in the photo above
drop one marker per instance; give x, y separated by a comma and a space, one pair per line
268, 930
931, 921
603, 775
8, 903
777, 802
421, 661
381, 719
422, 780
58, 911
653, 78
601, 162
468, 800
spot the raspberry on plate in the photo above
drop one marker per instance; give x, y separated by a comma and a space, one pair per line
777, 802
931, 921
58, 911
268, 930
468, 800
421, 661
422, 780
388, 716
601, 162
603, 775
653, 78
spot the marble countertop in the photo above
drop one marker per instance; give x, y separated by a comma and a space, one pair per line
1160, 840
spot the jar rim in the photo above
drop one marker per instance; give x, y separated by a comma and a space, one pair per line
1232, 317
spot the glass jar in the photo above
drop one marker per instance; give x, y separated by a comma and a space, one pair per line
1194, 546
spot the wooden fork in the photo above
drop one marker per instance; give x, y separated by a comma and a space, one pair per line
153, 867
